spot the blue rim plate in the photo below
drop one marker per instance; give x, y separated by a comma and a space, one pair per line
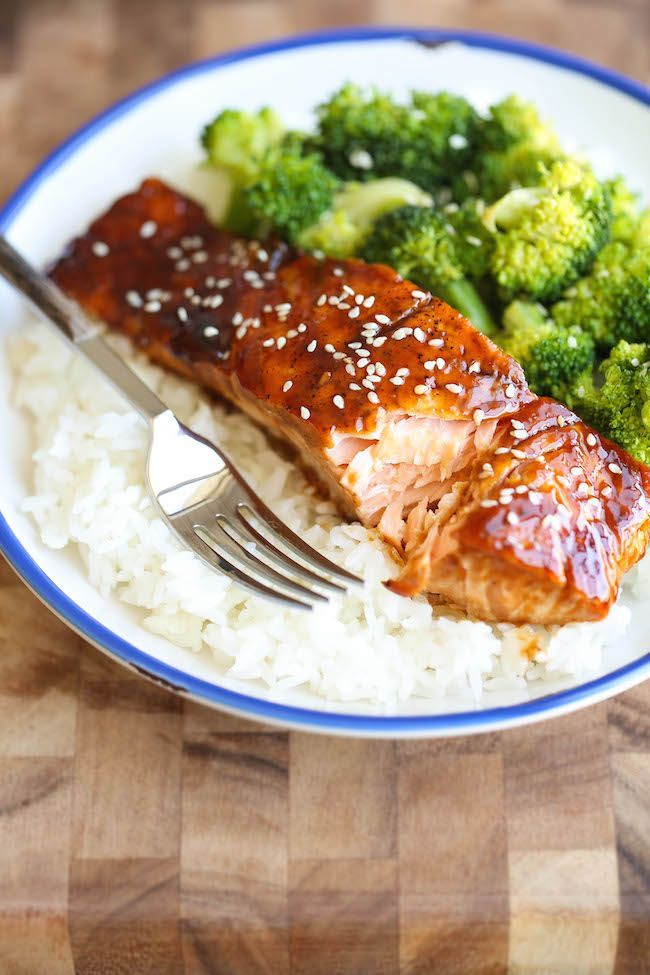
464, 722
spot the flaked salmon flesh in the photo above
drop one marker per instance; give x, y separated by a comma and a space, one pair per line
498, 502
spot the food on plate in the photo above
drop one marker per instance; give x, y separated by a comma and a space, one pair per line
499, 502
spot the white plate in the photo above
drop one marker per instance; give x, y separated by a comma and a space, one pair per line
155, 132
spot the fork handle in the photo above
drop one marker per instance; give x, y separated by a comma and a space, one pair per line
59, 310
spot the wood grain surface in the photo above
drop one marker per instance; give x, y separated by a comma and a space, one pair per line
145, 836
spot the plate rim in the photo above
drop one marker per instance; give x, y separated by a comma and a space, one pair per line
235, 702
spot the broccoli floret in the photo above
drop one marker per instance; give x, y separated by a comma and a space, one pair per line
341, 231
625, 209
236, 141
613, 301
513, 147
474, 242
364, 135
552, 356
547, 236
620, 408
289, 194
415, 242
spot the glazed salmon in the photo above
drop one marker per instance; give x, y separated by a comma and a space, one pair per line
499, 502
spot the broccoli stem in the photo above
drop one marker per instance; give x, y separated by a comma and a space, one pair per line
463, 295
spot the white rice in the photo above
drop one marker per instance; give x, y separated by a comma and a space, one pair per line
369, 645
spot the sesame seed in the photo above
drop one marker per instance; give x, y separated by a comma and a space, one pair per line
302, 327
148, 228
241, 331
440, 362
354, 312
182, 314
174, 252
312, 345
338, 355
577, 471
354, 345
282, 307
371, 368
521, 489
402, 371
200, 257
583, 489
615, 469
454, 388
372, 397
382, 319
502, 450
607, 491
287, 386
224, 283
421, 389
436, 343
520, 435
591, 440
561, 421
183, 265
359, 299
281, 342
322, 300
368, 383
369, 301
134, 299
478, 416
343, 305
379, 341
401, 333
338, 272
419, 334
291, 334
418, 294
510, 391
358, 424
237, 318
519, 454
512, 518
210, 331
354, 386
350, 369
517, 424
380, 368
474, 241
195, 300
534, 497
100, 249
152, 306
361, 159
489, 503
476, 367
338, 401
304, 412
396, 380
329, 347
267, 343
262, 255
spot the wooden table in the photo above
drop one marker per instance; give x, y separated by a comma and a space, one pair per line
146, 836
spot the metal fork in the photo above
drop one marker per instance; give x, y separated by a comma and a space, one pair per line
195, 486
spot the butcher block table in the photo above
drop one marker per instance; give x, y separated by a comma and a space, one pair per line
145, 835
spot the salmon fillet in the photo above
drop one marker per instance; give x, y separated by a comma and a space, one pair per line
496, 501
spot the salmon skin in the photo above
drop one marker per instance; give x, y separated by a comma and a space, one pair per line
498, 502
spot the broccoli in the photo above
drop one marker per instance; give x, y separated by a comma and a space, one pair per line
547, 236
552, 356
613, 301
474, 242
341, 231
235, 141
366, 135
414, 240
289, 194
512, 146
620, 408
625, 210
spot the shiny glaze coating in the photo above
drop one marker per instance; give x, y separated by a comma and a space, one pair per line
539, 525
